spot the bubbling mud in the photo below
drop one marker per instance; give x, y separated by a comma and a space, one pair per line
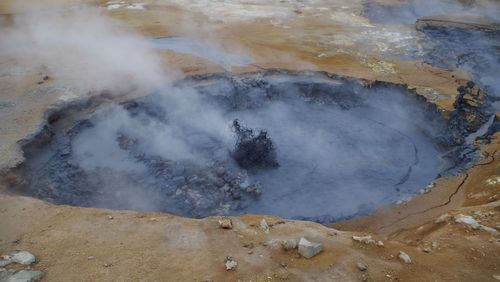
332, 148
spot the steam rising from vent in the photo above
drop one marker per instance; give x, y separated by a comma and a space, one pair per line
342, 149
83, 49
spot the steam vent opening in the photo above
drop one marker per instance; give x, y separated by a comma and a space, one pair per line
297, 145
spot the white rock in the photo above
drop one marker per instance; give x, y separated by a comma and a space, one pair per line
26, 275
230, 263
404, 257
364, 239
467, 220
309, 249
264, 226
21, 257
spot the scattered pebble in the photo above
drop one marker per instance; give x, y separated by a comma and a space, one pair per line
230, 263
225, 223
404, 257
362, 266
110, 217
309, 249
90, 257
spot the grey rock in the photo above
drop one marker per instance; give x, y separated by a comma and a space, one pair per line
230, 263
309, 249
5, 262
21, 257
468, 221
26, 275
5, 274
404, 257
362, 266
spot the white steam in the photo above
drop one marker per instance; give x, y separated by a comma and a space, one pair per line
83, 49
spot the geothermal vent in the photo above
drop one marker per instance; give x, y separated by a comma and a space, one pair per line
298, 145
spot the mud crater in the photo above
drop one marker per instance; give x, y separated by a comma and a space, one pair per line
340, 147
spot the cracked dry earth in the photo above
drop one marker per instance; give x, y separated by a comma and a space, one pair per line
450, 232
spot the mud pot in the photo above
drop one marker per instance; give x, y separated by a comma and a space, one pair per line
298, 145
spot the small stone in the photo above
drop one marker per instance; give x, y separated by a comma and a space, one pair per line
110, 217
283, 264
230, 263
21, 257
90, 257
264, 226
404, 257
107, 265
496, 277
442, 218
467, 220
426, 250
364, 239
26, 275
248, 245
380, 243
309, 249
362, 266
288, 245
225, 223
